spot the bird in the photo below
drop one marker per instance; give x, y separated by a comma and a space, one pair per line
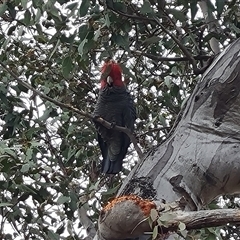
115, 105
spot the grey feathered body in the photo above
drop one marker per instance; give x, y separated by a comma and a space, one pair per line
115, 105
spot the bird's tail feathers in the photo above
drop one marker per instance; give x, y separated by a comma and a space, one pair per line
112, 164
111, 167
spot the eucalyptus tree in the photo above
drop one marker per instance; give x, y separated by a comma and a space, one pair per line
51, 55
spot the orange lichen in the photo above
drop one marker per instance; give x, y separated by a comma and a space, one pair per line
145, 205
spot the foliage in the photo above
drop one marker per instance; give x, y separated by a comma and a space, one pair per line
49, 155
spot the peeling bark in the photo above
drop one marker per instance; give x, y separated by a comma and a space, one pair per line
200, 160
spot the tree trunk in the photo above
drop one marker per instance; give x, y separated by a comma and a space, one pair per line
200, 160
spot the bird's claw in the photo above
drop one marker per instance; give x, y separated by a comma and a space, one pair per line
113, 125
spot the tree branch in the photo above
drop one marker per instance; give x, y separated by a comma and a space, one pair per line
86, 221
168, 59
206, 218
188, 55
134, 214
153, 130
106, 124
181, 46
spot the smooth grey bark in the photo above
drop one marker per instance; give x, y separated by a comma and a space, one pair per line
200, 160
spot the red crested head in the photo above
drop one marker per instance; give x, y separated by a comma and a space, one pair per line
111, 74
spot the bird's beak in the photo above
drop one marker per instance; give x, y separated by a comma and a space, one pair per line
109, 80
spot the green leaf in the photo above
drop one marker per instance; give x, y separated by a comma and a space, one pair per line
46, 113
90, 34
38, 15
67, 66
40, 39
166, 217
84, 8
3, 8
151, 122
55, 12
155, 232
60, 229
63, 199
234, 28
109, 191
210, 35
107, 20
174, 90
26, 188
5, 204
29, 154
211, 236
22, 88
74, 200
153, 39
37, 3
89, 45
194, 8
72, 6
24, 3
117, 5
27, 17
127, 27
179, 15
168, 81
61, 1
97, 34
54, 38
154, 215
52, 235
39, 28
146, 7
220, 5
81, 47
184, 233
83, 31
120, 40
11, 30
210, 6
181, 226
25, 168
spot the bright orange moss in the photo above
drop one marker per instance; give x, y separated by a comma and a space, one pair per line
145, 205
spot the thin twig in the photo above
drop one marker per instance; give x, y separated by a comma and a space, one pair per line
153, 130
181, 46
145, 219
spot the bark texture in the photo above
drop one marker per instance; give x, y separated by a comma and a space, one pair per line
200, 160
